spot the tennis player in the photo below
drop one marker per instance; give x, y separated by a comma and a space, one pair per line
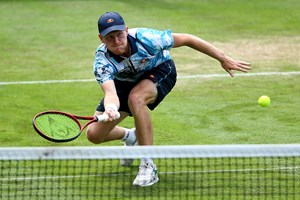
135, 71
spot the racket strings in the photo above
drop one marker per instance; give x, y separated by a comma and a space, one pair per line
57, 126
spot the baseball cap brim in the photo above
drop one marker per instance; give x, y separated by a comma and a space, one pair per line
113, 28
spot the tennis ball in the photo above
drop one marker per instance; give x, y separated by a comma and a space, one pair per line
264, 101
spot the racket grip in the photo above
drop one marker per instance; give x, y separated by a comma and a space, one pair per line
103, 117
118, 115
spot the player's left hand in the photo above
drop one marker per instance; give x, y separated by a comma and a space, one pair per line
230, 64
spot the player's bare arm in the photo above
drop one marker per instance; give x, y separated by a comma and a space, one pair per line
228, 63
111, 100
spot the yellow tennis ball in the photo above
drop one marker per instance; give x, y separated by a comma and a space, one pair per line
264, 101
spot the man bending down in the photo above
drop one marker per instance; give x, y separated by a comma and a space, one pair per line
135, 71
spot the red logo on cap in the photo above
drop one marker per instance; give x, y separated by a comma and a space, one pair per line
110, 21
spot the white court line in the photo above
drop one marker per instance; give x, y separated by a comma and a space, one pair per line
290, 169
245, 74
179, 77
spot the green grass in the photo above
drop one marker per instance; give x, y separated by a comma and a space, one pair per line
56, 40
48, 40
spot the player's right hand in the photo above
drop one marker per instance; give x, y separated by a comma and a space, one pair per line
112, 112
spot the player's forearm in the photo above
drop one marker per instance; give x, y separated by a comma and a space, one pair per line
199, 45
110, 94
110, 99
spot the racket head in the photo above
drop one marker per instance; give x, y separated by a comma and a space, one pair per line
57, 126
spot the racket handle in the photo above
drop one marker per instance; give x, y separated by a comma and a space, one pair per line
118, 115
103, 117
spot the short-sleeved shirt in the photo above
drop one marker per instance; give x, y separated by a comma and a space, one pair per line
149, 49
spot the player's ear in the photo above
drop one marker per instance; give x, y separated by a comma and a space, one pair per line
100, 37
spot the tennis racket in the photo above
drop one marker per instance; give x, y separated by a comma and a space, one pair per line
57, 126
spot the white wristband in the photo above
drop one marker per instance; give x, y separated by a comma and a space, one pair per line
112, 107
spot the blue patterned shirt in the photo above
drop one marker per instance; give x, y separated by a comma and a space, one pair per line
149, 48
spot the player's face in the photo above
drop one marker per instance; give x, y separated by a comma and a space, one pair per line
116, 42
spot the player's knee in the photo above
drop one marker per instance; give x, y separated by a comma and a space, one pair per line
135, 101
94, 137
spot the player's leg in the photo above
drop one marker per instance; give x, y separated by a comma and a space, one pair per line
148, 93
144, 93
108, 131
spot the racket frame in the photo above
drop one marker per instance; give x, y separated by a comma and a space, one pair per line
75, 118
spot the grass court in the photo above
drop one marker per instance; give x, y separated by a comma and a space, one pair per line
55, 41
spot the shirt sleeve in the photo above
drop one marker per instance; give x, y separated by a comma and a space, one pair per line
103, 69
154, 40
